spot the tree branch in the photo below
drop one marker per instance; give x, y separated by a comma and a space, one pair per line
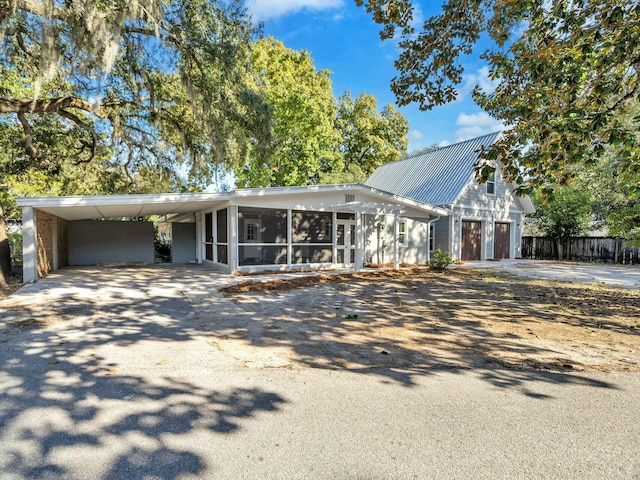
28, 136
87, 128
51, 105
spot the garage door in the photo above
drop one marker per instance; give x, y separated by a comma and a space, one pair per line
502, 240
471, 240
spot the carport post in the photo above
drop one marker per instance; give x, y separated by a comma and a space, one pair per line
358, 242
29, 246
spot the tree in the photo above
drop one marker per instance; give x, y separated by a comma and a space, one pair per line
369, 138
301, 99
167, 80
564, 213
567, 72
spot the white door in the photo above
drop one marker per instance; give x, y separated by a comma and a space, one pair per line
346, 242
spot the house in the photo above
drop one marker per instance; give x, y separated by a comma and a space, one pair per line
404, 210
485, 220
248, 230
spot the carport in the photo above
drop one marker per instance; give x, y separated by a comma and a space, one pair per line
63, 231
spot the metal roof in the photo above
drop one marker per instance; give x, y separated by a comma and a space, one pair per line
436, 177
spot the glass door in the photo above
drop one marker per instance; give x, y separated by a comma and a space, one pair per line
346, 242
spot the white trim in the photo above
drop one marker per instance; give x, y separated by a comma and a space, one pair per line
29, 245
54, 244
181, 200
485, 209
396, 241
358, 242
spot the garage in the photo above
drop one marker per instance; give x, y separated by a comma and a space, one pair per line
502, 241
471, 240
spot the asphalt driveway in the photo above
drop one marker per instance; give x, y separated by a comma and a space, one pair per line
117, 373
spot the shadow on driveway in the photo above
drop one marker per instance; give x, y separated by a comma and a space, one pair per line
115, 366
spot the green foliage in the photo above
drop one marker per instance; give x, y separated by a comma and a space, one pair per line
162, 84
441, 259
303, 108
15, 246
563, 213
370, 138
566, 72
625, 222
316, 139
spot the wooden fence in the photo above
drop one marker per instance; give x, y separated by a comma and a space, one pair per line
582, 249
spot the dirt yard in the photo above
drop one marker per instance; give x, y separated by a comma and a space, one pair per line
420, 320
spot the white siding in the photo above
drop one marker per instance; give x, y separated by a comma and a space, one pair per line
379, 240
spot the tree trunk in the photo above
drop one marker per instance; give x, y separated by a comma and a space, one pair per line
559, 248
5, 252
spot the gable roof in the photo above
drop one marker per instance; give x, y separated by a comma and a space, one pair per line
436, 177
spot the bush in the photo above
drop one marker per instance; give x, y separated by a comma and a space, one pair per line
441, 260
15, 245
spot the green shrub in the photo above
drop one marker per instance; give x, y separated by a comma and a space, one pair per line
441, 260
15, 245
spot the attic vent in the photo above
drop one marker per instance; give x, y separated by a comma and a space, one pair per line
350, 198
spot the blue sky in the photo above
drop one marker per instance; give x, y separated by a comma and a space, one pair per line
343, 38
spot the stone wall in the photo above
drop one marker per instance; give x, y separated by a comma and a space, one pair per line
44, 227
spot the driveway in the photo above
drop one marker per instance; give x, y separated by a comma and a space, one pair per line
118, 373
622, 276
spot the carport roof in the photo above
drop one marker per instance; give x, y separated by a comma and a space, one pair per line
114, 206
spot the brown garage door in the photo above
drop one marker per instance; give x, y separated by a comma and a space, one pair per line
502, 240
471, 240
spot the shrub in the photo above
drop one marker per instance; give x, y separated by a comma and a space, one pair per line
15, 245
441, 260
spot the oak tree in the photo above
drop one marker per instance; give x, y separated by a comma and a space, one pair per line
567, 73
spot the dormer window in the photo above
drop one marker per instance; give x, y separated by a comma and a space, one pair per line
491, 184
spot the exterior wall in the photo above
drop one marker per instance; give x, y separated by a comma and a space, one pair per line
379, 240
96, 241
475, 204
442, 235
183, 242
45, 242
416, 244
63, 242
378, 248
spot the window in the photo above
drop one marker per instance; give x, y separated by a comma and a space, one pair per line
432, 229
221, 236
262, 236
208, 236
491, 183
402, 233
252, 234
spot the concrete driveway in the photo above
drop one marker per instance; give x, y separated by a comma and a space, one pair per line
127, 381
621, 276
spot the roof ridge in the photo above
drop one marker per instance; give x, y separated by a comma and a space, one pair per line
475, 139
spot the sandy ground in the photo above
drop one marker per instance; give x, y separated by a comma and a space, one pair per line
419, 320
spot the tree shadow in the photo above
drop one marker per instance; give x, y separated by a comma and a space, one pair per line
402, 329
67, 384
64, 398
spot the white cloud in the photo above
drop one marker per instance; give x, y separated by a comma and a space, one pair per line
519, 29
480, 78
264, 9
475, 125
415, 135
